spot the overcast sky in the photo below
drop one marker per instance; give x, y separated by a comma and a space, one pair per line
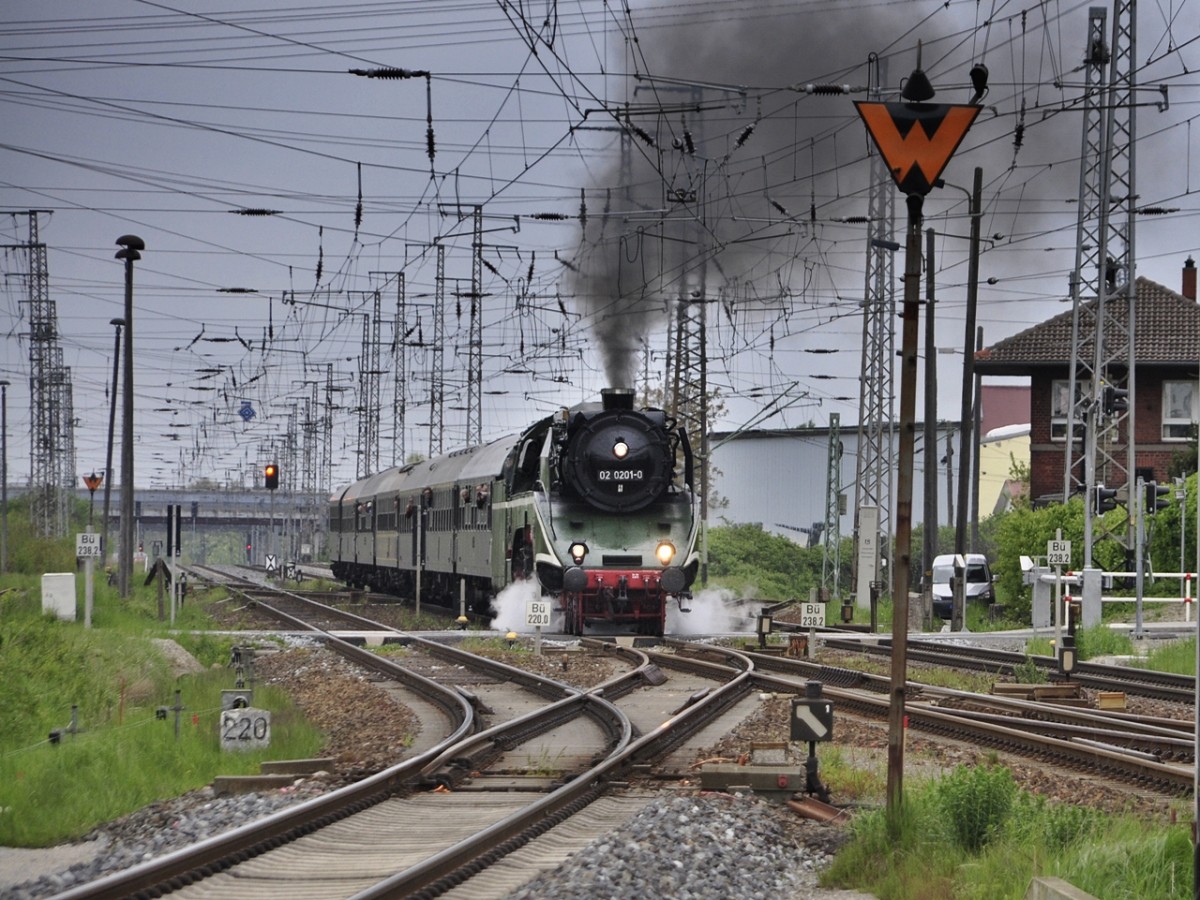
171, 122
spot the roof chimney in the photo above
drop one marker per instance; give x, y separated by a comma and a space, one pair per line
1189, 279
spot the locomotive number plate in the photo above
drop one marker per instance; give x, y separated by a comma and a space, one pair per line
620, 475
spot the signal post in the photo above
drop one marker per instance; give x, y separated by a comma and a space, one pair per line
916, 139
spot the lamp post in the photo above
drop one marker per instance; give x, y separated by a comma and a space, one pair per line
130, 245
112, 420
4, 476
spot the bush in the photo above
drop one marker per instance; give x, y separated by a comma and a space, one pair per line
757, 563
976, 803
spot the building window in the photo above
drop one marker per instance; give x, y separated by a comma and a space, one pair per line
1181, 410
1060, 409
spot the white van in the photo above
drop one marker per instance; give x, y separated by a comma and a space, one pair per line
978, 582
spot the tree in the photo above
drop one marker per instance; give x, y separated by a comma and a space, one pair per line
758, 563
1184, 462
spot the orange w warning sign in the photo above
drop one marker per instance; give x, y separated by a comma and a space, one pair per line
916, 141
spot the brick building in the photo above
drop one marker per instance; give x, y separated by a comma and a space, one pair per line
1166, 390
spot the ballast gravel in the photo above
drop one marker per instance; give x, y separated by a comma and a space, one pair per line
139, 837
701, 847
691, 847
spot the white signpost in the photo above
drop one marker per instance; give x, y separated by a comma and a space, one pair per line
537, 614
1058, 553
812, 615
87, 546
245, 728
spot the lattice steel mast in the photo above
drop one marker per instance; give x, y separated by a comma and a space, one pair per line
1103, 288
437, 386
52, 437
368, 420
400, 368
873, 468
475, 337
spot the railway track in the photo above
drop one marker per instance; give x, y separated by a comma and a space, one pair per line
1141, 682
431, 822
538, 768
387, 609
1154, 753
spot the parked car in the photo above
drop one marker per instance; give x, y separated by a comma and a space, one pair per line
979, 582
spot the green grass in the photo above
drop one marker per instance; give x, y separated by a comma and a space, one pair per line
850, 775
1100, 640
1176, 656
973, 835
122, 757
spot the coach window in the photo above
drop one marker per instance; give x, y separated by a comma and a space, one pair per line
1181, 410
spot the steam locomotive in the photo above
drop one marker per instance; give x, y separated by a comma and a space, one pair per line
595, 502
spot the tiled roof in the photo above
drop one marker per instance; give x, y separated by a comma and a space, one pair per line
1168, 332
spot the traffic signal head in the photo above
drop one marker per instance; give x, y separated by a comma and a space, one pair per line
1114, 399
1105, 499
1155, 497
271, 476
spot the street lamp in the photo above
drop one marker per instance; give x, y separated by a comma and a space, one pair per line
112, 420
130, 245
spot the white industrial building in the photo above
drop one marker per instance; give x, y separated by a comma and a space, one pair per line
778, 478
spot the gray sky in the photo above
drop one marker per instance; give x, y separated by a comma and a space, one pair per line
165, 120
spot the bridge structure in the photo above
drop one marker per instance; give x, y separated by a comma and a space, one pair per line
292, 526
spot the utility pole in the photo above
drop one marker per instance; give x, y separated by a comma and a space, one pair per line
949, 475
968, 413
130, 245
831, 536
4, 475
117, 324
930, 514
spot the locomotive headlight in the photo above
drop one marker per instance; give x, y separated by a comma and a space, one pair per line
665, 551
620, 449
578, 551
